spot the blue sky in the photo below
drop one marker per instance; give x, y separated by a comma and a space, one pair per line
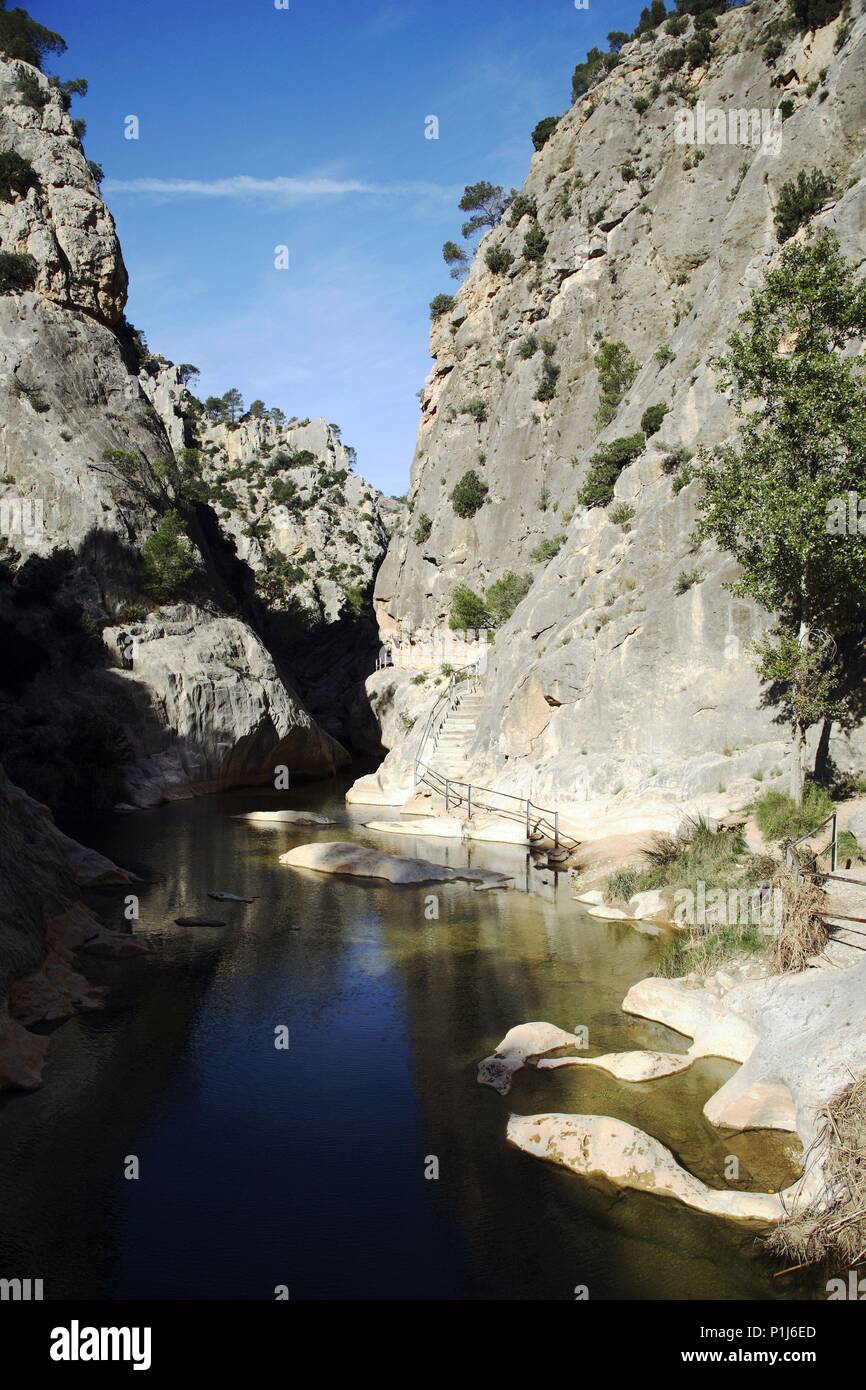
304, 127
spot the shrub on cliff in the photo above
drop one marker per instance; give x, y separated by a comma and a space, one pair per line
423, 529
17, 272
800, 199
543, 131
535, 243
469, 494
617, 369
651, 420
522, 206
467, 610
440, 305
17, 175
505, 594
814, 14
168, 560
605, 468
498, 259
487, 202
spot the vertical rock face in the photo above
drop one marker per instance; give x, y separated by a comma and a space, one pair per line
62, 222
289, 492
198, 698
615, 683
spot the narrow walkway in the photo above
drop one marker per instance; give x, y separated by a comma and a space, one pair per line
847, 944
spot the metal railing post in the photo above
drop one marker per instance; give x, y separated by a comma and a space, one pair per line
833, 851
447, 789
556, 829
469, 803
527, 819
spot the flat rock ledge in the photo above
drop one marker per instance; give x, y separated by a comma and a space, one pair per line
626, 1066
520, 1045
598, 1146
285, 818
344, 857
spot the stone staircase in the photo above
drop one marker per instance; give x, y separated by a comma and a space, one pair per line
847, 944
450, 758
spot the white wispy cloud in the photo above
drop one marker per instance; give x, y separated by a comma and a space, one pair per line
287, 190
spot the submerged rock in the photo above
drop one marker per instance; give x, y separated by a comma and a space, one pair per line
285, 818
344, 857
599, 1146
520, 1044
626, 1066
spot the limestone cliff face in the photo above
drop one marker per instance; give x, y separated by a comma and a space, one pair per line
194, 715
607, 688
291, 492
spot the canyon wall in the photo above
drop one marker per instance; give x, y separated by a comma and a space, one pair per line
623, 686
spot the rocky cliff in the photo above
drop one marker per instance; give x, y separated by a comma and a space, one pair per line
197, 691
623, 683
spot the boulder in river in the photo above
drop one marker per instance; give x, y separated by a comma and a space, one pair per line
345, 857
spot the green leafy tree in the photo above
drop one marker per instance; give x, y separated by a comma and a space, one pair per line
441, 304
467, 610
257, 410
617, 38
800, 199
535, 243
469, 494
617, 369
17, 175
456, 258
504, 595
168, 560
605, 468
17, 272
814, 14
487, 203
772, 497
234, 404
22, 38
651, 420
543, 131
498, 259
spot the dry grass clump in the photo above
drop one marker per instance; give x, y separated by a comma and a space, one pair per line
834, 1227
802, 931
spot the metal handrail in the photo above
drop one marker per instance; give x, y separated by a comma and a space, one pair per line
810, 835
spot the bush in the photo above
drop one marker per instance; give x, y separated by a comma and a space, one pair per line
467, 610
535, 243
498, 259
676, 25
549, 375
672, 60
30, 90
675, 460
522, 206
617, 369
168, 560
621, 885
651, 420
665, 355
543, 131
814, 14
621, 515
468, 495
801, 199
605, 468
780, 819
685, 580
698, 50
503, 597
423, 529
773, 50
528, 348
17, 272
477, 409
546, 549
17, 175
442, 304
641, 104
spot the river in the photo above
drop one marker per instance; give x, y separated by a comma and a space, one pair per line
305, 1167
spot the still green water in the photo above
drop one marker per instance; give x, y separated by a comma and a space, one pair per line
306, 1168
